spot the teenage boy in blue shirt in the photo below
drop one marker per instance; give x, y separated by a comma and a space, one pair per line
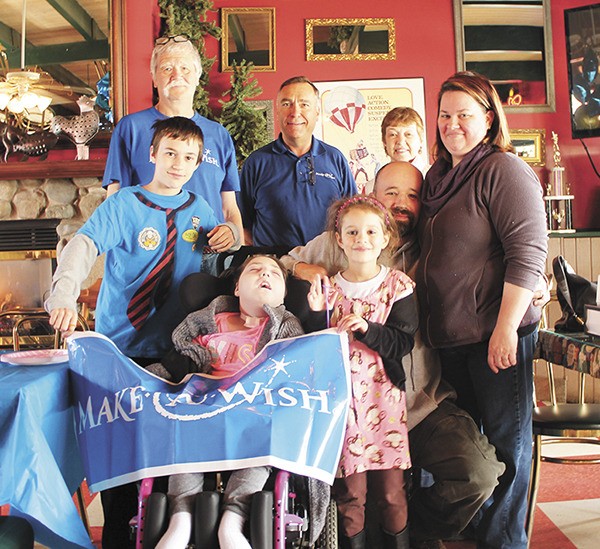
153, 236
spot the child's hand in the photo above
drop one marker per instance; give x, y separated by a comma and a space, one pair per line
319, 293
64, 320
352, 323
221, 238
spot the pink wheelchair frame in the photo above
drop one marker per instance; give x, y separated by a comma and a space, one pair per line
283, 521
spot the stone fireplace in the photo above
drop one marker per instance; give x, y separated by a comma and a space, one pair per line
69, 200
55, 209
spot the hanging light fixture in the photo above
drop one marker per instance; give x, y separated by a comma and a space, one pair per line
16, 93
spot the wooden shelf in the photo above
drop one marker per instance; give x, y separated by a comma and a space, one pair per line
43, 169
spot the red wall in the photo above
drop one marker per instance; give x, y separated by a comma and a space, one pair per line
425, 48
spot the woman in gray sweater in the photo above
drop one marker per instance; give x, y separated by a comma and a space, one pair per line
483, 248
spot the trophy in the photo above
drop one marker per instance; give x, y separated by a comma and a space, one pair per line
559, 199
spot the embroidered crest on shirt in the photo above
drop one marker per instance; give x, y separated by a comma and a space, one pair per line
328, 175
149, 238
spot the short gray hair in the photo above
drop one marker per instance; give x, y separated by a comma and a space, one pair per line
180, 48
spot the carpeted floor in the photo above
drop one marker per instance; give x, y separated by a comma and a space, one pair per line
567, 514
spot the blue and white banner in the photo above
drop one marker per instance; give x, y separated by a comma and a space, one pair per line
286, 409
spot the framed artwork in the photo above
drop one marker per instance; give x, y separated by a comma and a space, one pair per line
351, 115
582, 30
530, 145
350, 39
248, 34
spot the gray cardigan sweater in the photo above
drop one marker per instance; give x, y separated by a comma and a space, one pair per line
281, 324
491, 231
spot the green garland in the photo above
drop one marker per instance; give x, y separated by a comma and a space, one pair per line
247, 125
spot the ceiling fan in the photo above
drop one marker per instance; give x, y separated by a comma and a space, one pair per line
29, 92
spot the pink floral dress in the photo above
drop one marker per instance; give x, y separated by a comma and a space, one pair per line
376, 432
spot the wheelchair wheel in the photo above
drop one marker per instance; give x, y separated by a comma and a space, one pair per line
328, 539
206, 520
261, 521
156, 520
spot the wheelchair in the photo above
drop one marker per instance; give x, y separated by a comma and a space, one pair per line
280, 516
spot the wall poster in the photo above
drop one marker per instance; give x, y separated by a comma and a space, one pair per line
351, 115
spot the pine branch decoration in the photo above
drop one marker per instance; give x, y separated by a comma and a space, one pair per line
247, 125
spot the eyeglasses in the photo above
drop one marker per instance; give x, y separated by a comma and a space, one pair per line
312, 175
162, 40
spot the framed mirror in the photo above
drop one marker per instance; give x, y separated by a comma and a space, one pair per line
248, 34
66, 53
350, 39
71, 53
510, 43
530, 145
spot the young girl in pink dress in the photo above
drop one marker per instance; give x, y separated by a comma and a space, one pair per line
376, 306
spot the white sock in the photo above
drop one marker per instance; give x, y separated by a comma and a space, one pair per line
231, 534
178, 533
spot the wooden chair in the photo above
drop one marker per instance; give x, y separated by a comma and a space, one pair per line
570, 423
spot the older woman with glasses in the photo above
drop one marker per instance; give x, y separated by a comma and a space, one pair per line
176, 69
403, 136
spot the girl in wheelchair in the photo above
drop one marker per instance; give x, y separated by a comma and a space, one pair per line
220, 340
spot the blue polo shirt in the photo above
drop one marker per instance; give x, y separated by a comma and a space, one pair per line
284, 198
129, 163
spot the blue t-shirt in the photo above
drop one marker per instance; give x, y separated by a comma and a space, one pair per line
129, 163
133, 236
284, 198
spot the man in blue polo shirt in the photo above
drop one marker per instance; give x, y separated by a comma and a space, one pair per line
176, 71
287, 185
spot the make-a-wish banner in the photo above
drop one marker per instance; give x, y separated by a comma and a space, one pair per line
287, 408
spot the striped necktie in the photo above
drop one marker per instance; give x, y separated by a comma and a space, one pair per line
156, 286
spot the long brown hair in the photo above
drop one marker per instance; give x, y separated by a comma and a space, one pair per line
481, 90
338, 210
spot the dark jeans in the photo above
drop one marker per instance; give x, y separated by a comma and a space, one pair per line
502, 404
465, 471
119, 505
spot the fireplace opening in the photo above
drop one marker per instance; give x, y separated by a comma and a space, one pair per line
27, 262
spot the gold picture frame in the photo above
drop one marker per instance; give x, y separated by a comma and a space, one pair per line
530, 145
364, 39
249, 34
